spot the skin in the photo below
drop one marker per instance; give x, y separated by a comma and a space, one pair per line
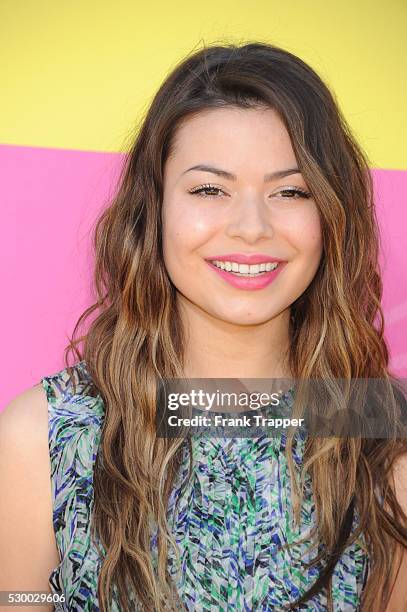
28, 550
232, 333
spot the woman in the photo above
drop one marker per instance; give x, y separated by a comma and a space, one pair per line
242, 162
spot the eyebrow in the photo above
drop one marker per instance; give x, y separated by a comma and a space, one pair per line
271, 176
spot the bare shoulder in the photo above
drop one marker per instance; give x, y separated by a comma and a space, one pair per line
399, 474
28, 550
25, 416
399, 590
24, 435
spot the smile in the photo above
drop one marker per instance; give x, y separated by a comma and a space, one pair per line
251, 274
249, 271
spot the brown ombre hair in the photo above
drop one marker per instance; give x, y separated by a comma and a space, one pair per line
336, 328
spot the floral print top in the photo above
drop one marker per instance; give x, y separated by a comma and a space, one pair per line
231, 523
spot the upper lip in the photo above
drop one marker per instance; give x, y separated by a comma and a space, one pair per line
245, 258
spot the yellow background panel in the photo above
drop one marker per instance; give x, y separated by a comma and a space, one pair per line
78, 74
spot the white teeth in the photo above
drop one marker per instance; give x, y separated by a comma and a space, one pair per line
245, 269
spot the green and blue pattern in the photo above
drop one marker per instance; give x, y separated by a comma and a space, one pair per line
231, 523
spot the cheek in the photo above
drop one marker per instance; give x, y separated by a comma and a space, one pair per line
186, 228
313, 232
311, 236
305, 231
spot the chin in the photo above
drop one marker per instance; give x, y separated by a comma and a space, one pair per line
244, 318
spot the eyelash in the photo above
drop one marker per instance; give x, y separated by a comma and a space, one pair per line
200, 191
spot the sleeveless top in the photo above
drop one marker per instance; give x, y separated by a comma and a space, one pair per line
230, 524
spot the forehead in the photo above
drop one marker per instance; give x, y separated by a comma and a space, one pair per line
233, 136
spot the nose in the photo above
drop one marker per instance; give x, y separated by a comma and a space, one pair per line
249, 220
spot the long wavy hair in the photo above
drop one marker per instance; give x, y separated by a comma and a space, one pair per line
336, 329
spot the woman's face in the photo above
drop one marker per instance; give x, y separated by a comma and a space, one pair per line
224, 225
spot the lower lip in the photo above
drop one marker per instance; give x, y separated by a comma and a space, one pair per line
249, 283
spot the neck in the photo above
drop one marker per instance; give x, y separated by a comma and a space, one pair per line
219, 349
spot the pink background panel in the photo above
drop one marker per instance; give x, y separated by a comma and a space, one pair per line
50, 199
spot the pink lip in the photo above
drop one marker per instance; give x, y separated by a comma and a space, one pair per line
245, 258
247, 283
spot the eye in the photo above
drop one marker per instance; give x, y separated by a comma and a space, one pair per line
291, 193
203, 191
